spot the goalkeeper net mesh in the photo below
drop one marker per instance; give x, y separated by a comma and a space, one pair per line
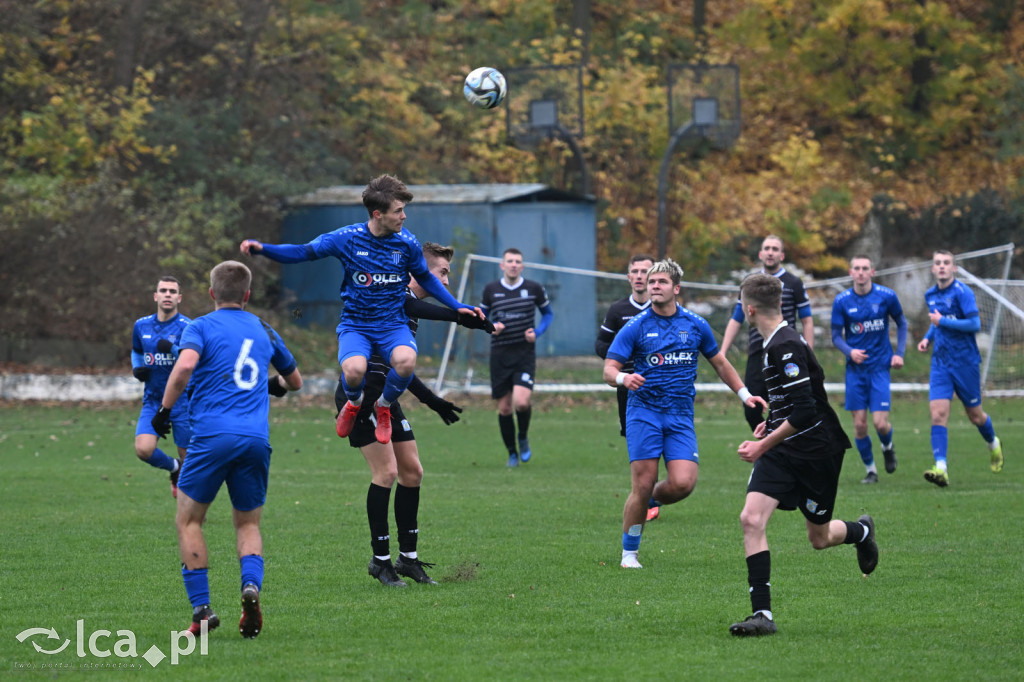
566, 360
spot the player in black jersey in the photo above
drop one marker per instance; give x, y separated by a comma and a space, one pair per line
621, 312
509, 302
797, 456
795, 305
399, 458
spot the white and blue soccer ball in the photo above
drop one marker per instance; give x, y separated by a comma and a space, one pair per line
485, 87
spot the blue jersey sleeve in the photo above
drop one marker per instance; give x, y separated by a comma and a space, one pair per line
737, 312
708, 344
966, 324
289, 253
896, 313
546, 315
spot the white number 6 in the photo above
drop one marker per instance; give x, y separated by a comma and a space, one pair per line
242, 362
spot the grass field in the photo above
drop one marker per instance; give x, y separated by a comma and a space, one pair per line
527, 558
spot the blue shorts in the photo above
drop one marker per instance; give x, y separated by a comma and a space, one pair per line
651, 434
964, 380
868, 389
182, 426
241, 461
353, 340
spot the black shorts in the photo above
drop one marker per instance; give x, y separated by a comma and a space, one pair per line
510, 367
807, 484
366, 421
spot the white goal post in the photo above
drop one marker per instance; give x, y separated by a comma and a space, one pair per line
581, 297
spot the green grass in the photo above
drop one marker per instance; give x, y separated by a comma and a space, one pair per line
527, 559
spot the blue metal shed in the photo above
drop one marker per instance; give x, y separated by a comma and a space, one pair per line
549, 226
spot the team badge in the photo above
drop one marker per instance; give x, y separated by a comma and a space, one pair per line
396, 257
523, 293
791, 370
682, 336
813, 508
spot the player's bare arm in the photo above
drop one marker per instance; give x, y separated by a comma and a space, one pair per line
614, 376
751, 450
731, 378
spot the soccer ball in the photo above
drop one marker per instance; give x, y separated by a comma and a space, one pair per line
485, 87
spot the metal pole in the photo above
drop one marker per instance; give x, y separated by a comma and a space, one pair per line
571, 141
673, 142
463, 282
994, 334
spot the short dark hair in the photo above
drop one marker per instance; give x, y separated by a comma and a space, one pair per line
863, 256
430, 249
168, 278
639, 257
382, 191
511, 250
762, 291
230, 281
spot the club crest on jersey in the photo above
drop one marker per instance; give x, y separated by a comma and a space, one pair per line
682, 336
396, 257
524, 294
369, 279
791, 370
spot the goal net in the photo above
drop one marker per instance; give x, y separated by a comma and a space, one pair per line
565, 353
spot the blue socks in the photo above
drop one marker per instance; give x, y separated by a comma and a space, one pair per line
395, 386
252, 570
631, 539
940, 443
885, 438
161, 460
354, 395
987, 431
197, 585
864, 448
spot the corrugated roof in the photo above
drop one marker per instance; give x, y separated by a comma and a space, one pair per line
431, 194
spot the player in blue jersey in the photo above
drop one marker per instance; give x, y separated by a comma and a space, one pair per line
152, 360
399, 460
663, 343
861, 314
378, 256
953, 311
795, 307
510, 302
227, 354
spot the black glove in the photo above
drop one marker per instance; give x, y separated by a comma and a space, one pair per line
141, 373
165, 346
162, 422
473, 322
445, 409
275, 388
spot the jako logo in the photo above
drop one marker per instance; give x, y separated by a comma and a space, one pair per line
368, 279
125, 647
677, 358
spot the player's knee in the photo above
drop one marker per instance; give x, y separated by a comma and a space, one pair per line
143, 453
411, 478
818, 539
750, 522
